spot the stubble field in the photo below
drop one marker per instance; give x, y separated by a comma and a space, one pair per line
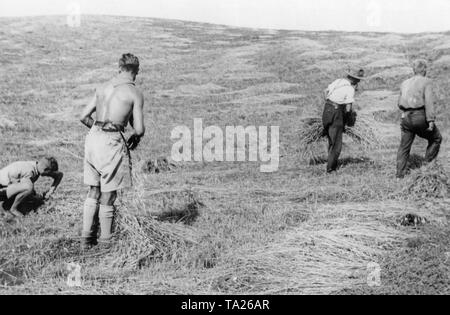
295, 231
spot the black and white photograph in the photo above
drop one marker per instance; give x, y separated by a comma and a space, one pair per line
209, 149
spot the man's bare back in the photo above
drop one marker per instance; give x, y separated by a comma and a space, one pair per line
115, 101
107, 164
119, 102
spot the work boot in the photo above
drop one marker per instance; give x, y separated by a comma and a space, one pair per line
87, 243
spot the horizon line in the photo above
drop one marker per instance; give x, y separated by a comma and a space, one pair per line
224, 25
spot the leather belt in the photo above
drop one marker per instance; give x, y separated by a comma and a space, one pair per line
412, 109
335, 105
109, 126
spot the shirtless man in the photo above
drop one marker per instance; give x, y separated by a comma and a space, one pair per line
107, 164
17, 181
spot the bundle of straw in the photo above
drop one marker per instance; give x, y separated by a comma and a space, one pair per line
430, 181
139, 238
312, 134
364, 133
309, 260
311, 138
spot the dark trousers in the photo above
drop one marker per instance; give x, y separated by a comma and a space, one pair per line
333, 124
3, 195
415, 124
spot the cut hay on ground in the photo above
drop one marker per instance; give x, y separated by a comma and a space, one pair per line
351, 51
322, 256
388, 63
442, 47
364, 134
266, 88
316, 54
304, 44
444, 62
430, 181
5, 123
140, 239
327, 66
393, 73
205, 89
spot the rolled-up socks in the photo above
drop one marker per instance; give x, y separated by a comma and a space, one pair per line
91, 208
106, 216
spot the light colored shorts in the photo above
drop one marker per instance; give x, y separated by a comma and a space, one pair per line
106, 161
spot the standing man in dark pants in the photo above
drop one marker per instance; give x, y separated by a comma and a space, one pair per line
340, 97
418, 117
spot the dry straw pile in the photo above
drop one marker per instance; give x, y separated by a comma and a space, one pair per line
324, 255
430, 181
140, 238
364, 133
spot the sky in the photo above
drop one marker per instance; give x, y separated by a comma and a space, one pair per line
403, 16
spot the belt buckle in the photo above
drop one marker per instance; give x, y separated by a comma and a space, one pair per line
108, 127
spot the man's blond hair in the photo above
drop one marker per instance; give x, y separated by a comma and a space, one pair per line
50, 164
129, 63
420, 66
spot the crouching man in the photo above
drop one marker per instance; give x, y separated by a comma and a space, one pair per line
418, 117
17, 181
107, 157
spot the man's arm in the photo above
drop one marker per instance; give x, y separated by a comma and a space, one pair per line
137, 122
350, 99
86, 116
57, 178
325, 93
429, 104
138, 115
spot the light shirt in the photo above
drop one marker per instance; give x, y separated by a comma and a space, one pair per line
417, 92
15, 172
341, 92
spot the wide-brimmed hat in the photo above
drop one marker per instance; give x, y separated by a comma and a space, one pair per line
357, 73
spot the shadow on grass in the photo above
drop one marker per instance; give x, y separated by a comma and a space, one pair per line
342, 162
186, 215
416, 161
31, 204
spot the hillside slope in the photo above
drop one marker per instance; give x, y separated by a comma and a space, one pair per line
293, 231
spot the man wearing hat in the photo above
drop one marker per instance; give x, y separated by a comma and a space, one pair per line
340, 97
418, 117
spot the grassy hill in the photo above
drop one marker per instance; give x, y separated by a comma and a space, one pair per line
295, 231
